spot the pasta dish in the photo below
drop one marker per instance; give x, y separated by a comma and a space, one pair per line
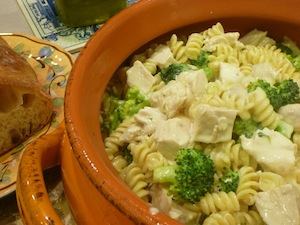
205, 127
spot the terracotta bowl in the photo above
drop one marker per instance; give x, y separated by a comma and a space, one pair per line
95, 192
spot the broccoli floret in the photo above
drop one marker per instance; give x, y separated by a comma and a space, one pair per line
248, 127
202, 63
289, 91
109, 117
229, 182
134, 101
127, 154
266, 86
245, 127
115, 110
172, 71
294, 58
284, 48
190, 178
279, 94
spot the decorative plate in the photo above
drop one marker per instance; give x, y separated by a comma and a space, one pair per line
52, 65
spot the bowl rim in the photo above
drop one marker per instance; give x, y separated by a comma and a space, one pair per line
85, 152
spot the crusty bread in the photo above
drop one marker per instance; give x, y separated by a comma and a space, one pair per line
25, 107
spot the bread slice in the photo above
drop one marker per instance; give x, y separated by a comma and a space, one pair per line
25, 107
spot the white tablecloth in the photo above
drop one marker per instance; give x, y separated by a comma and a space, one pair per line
12, 18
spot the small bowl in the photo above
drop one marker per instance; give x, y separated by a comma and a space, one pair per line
95, 192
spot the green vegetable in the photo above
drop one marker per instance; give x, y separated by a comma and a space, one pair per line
279, 94
134, 101
285, 129
116, 110
266, 86
248, 127
202, 63
245, 127
229, 182
172, 71
284, 48
294, 58
127, 154
190, 178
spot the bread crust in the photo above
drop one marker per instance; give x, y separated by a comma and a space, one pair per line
25, 107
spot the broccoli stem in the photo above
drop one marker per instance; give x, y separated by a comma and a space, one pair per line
165, 174
285, 129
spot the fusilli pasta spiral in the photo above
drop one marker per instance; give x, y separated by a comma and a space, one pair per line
270, 180
177, 48
222, 218
215, 30
262, 110
250, 218
113, 142
248, 185
193, 46
214, 202
136, 181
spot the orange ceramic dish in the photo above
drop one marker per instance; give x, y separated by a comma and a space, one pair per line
94, 190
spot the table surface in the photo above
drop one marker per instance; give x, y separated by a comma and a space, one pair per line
9, 213
12, 20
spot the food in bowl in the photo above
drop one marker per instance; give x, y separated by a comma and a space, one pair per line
25, 107
204, 127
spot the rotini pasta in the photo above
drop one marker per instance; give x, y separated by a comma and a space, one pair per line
236, 218
242, 105
158, 85
246, 69
193, 45
229, 155
269, 180
262, 109
215, 30
274, 56
136, 180
213, 93
155, 160
141, 150
113, 142
222, 218
178, 49
224, 53
150, 65
248, 185
119, 162
212, 203
296, 139
220, 158
144, 55
250, 218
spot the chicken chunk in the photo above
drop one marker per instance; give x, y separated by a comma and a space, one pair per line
280, 205
212, 124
